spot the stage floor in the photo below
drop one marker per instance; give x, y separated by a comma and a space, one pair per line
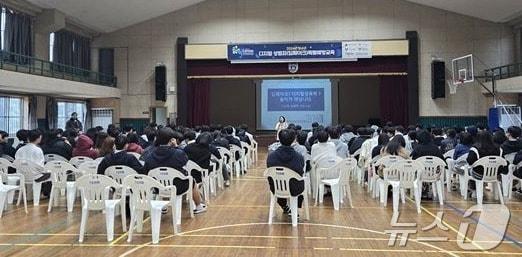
236, 225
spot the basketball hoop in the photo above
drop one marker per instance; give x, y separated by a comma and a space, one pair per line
453, 84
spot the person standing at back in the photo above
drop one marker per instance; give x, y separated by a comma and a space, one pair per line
73, 123
286, 156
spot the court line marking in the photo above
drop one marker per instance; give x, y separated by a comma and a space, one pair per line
126, 233
303, 224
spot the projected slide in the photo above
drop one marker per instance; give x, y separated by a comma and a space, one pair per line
301, 101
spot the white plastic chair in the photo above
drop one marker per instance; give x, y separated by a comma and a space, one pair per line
59, 174
228, 160
490, 164
95, 194
254, 147
358, 174
30, 172
372, 176
5, 190
247, 150
448, 157
382, 184
507, 179
307, 174
237, 166
216, 176
10, 179
281, 177
118, 173
513, 178
205, 180
322, 169
54, 157
141, 189
7, 157
166, 176
89, 167
433, 173
340, 185
78, 160
407, 172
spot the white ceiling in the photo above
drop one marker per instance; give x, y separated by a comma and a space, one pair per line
111, 15
491, 10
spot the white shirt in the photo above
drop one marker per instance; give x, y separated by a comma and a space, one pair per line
31, 152
320, 150
341, 148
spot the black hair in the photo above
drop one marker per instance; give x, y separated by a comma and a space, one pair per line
189, 135
91, 133
424, 137
412, 135
204, 139
3, 134
301, 137
164, 136
499, 137
284, 119
100, 137
228, 130
347, 129
322, 136
315, 125
128, 129
484, 141
22, 135
120, 142
395, 145
298, 127
150, 134
287, 137
383, 139
514, 131
437, 131
34, 135
133, 138
466, 138
333, 132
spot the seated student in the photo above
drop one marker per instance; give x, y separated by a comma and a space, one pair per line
450, 142
22, 136
396, 146
219, 141
465, 143
356, 143
437, 136
382, 141
151, 136
84, 147
167, 154
32, 152
189, 137
199, 152
286, 156
300, 144
513, 143
347, 134
133, 140
340, 147
518, 158
426, 146
56, 145
107, 147
229, 135
120, 157
482, 148
6, 148
323, 147
100, 137
499, 137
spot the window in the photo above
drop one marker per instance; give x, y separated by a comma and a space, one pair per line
11, 114
2, 27
101, 117
66, 108
51, 46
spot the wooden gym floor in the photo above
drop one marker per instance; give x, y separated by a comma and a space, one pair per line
236, 225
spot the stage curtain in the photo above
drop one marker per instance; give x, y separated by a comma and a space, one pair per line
198, 102
394, 99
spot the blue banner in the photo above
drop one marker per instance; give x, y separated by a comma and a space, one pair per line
295, 99
285, 52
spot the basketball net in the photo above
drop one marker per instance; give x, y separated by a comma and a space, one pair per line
453, 84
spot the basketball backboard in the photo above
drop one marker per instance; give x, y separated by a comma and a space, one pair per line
462, 70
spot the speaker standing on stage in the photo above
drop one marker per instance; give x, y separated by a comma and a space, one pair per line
281, 124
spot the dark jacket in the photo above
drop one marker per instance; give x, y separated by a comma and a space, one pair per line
232, 140
84, 146
73, 124
511, 146
357, 143
286, 156
516, 161
120, 158
376, 151
426, 150
448, 144
166, 156
438, 140
200, 154
483, 152
7, 150
460, 150
221, 142
58, 146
